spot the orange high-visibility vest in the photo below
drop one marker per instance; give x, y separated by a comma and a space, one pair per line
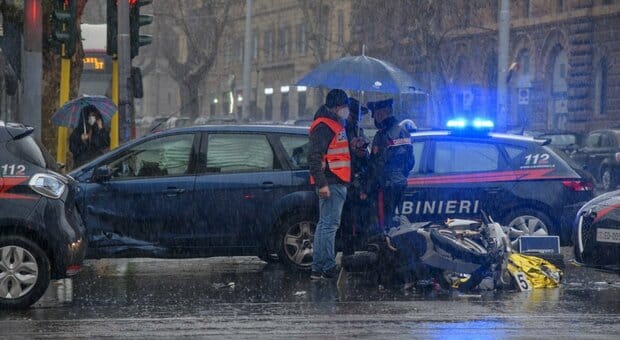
337, 157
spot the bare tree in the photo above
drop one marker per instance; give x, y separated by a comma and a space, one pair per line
51, 67
190, 43
416, 36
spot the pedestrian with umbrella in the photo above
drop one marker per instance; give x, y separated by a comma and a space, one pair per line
90, 137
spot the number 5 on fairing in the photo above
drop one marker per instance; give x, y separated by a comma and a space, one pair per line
522, 282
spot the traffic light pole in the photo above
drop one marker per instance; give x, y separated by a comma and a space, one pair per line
32, 68
65, 73
124, 69
114, 123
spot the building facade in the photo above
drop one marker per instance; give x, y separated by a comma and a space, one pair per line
565, 59
289, 38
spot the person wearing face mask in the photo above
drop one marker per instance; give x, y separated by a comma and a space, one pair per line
391, 160
90, 138
356, 212
329, 161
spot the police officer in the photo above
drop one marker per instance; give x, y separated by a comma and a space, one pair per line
355, 211
391, 159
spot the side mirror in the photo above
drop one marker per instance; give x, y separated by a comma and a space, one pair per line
102, 174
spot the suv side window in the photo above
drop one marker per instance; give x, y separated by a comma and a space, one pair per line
451, 157
228, 152
514, 151
297, 148
607, 141
165, 156
418, 147
593, 140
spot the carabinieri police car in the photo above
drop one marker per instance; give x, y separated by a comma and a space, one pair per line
520, 181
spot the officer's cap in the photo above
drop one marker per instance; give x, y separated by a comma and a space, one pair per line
379, 105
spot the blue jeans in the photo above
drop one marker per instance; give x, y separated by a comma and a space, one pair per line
330, 209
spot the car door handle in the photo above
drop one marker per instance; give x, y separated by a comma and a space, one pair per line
170, 192
268, 185
493, 190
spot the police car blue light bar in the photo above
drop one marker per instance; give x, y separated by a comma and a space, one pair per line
483, 123
477, 123
456, 123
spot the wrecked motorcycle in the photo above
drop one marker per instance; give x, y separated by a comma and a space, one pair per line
462, 254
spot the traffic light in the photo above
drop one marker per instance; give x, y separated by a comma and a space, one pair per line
64, 30
112, 28
136, 20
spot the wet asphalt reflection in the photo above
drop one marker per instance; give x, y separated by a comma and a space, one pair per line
245, 297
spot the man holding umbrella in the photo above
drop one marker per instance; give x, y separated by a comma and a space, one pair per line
356, 211
329, 161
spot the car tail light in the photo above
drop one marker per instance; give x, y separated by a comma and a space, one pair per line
577, 185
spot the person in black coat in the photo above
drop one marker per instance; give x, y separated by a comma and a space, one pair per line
356, 212
90, 138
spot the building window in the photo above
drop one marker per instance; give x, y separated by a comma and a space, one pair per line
227, 52
526, 8
268, 45
559, 5
239, 49
340, 27
255, 47
301, 103
284, 107
283, 42
524, 61
600, 88
301, 39
269, 107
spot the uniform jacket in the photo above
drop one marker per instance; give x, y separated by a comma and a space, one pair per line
391, 157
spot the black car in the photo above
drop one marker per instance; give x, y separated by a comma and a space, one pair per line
202, 191
567, 141
597, 233
520, 181
41, 233
600, 155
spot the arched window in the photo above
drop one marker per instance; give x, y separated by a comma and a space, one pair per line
600, 87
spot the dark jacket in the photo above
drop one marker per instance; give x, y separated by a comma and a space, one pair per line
320, 138
390, 161
85, 151
359, 163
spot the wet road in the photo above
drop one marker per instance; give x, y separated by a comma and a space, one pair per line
242, 298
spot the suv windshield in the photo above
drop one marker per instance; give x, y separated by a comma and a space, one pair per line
29, 149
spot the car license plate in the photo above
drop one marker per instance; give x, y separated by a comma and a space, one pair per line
608, 235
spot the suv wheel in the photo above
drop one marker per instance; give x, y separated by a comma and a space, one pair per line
526, 222
24, 272
295, 238
608, 181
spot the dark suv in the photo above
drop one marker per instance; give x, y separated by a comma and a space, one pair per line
600, 155
521, 181
202, 191
41, 233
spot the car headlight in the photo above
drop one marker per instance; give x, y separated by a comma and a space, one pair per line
47, 185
